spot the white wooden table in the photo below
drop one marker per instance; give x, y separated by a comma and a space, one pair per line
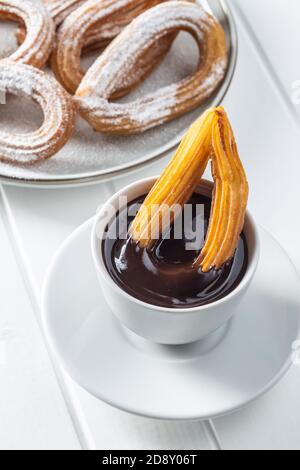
40, 406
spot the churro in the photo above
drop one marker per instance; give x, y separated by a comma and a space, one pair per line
210, 137
58, 110
40, 30
97, 22
123, 57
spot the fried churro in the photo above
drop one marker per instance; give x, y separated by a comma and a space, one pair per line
209, 138
124, 56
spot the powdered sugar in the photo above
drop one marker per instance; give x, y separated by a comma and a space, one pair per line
93, 22
37, 46
60, 9
15, 84
58, 114
117, 60
122, 56
89, 153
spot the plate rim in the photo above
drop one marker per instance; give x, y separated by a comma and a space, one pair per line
167, 417
103, 176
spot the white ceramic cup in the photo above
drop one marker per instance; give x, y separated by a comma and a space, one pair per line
159, 324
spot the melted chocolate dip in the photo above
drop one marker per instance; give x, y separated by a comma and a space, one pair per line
165, 276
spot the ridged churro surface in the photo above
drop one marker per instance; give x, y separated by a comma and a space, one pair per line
57, 107
96, 22
123, 56
39, 26
60, 9
211, 137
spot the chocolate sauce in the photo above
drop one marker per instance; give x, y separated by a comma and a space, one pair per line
165, 275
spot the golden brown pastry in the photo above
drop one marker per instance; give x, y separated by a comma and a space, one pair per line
40, 30
96, 21
126, 54
59, 10
230, 197
58, 110
211, 137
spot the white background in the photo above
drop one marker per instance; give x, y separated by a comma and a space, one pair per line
40, 407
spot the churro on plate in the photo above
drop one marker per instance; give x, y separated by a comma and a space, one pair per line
57, 107
97, 22
127, 55
39, 26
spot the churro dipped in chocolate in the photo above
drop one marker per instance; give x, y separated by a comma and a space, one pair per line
209, 138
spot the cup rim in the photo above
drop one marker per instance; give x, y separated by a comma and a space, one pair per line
100, 265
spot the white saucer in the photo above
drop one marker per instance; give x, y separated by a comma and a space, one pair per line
198, 381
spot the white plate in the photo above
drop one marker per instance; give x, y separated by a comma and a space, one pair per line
90, 156
198, 381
